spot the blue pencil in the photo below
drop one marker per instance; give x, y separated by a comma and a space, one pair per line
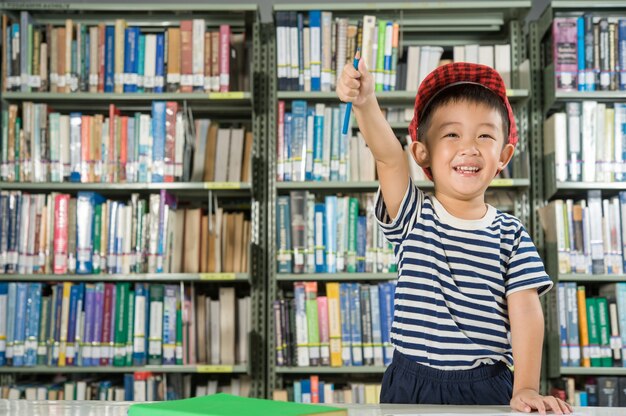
346, 119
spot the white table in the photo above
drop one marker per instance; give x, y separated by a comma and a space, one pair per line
99, 408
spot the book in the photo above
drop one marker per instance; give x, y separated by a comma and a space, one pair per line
224, 404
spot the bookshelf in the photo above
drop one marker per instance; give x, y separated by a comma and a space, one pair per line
444, 24
239, 107
547, 100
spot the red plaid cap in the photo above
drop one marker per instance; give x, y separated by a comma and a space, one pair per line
460, 73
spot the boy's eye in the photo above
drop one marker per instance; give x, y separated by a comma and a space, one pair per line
451, 135
486, 136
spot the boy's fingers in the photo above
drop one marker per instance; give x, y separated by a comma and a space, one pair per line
351, 72
352, 83
363, 68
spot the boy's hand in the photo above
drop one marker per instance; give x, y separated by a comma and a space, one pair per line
355, 86
527, 400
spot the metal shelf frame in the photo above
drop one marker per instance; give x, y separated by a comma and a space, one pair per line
248, 107
463, 23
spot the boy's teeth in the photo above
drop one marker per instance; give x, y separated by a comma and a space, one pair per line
467, 169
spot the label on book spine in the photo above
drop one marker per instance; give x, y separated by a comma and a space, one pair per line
217, 276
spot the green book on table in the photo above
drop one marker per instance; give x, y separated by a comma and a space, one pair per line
227, 405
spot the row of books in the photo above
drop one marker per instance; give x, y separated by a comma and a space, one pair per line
592, 392
122, 58
592, 329
330, 236
310, 146
118, 324
161, 146
138, 387
314, 390
349, 326
588, 142
589, 52
588, 233
311, 51
59, 234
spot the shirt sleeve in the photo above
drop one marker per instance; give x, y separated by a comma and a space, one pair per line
525, 269
396, 229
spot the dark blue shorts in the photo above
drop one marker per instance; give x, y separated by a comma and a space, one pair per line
407, 382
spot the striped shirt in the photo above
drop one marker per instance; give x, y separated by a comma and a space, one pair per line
450, 308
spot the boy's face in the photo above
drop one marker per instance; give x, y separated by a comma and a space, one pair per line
464, 149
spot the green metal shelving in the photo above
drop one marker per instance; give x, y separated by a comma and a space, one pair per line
247, 107
139, 277
335, 277
331, 370
593, 371
198, 369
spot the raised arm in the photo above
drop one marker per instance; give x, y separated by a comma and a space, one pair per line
391, 163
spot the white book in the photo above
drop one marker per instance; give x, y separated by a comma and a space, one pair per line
555, 142
64, 145
202, 128
212, 387
155, 339
69, 391
215, 332
119, 394
145, 148
93, 58
149, 73
306, 50
434, 57
227, 321
243, 310
600, 142
617, 241
281, 49
369, 33
354, 159
327, 24
294, 54
485, 55
502, 61
608, 168
573, 141
471, 53
235, 386
197, 60
589, 141
222, 150
235, 154
139, 334
424, 65
458, 53
139, 391
342, 34
81, 390
413, 65
42, 393
201, 391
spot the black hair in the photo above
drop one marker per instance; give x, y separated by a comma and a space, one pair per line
472, 93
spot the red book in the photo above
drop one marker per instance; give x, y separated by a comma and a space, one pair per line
315, 389
61, 210
322, 319
123, 148
186, 46
170, 140
105, 358
224, 57
113, 113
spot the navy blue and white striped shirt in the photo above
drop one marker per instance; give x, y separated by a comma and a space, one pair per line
450, 308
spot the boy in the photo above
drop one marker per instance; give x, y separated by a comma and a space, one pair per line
467, 298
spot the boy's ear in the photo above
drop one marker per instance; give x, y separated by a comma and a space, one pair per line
420, 154
505, 156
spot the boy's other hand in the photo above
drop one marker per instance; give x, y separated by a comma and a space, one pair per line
355, 86
527, 400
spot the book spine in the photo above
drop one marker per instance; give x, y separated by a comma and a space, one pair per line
323, 328
4, 292
20, 316
109, 59
224, 58
70, 350
107, 318
356, 333
141, 319
302, 331
169, 324
331, 233
158, 145
283, 220
159, 67
564, 33
320, 239
121, 318
32, 326
155, 349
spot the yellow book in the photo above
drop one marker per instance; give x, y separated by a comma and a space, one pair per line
334, 320
582, 327
65, 314
370, 394
120, 30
